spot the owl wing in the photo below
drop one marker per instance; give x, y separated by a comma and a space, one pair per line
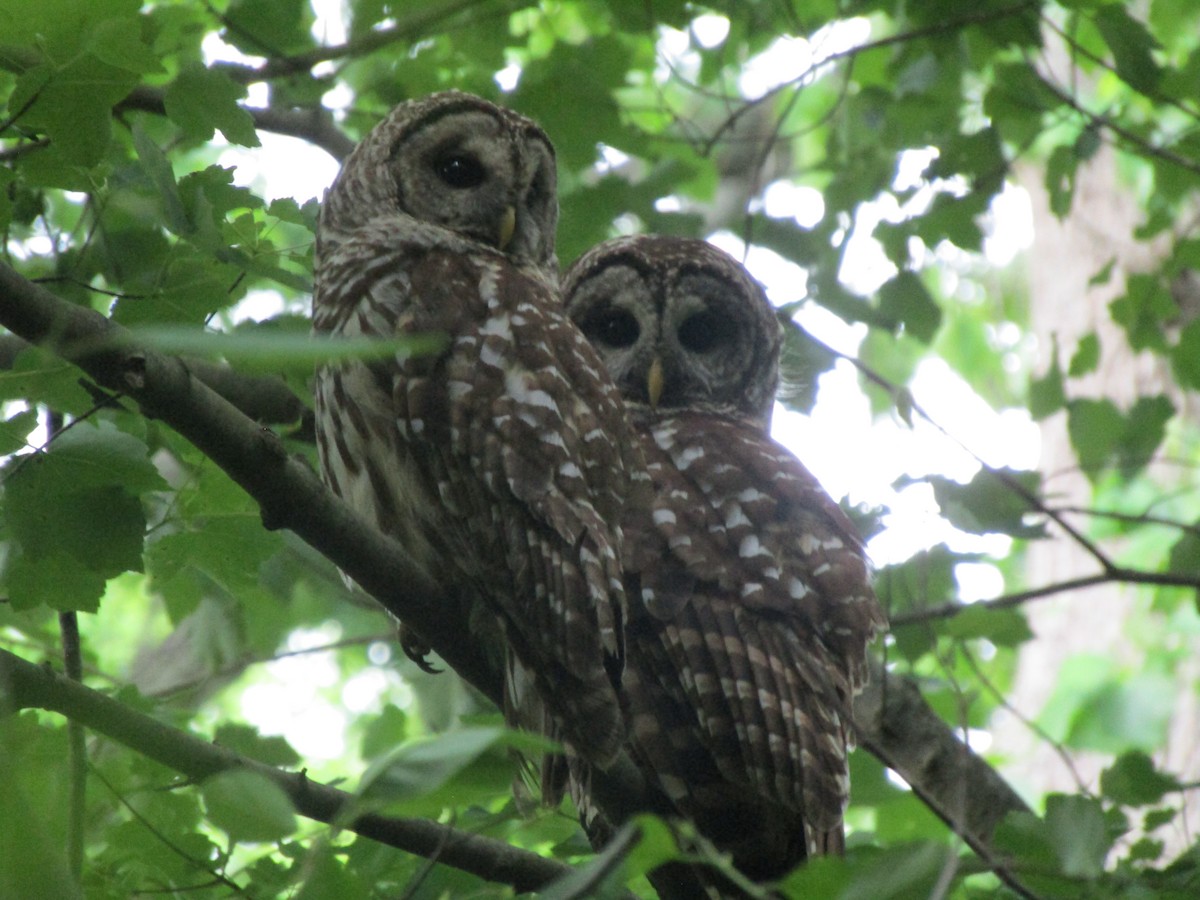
519, 451
756, 590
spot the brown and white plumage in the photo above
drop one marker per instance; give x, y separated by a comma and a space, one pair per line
502, 462
747, 637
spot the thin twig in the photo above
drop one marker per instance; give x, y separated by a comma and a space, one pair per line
77, 768
1032, 500
1116, 575
955, 24
1038, 730
411, 29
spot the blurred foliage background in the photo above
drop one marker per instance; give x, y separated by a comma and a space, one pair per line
980, 221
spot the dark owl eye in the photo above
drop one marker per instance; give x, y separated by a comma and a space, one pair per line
460, 171
700, 332
612, 327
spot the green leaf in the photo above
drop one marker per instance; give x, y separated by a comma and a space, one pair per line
1078, 834
75, 509
1185, 553
1157, 818
37, 376
639, 846
55, 580
385, 731
288, 210
200, 100
74, 106
909, 870
1104, 275
1003, 627
162, 176
451, 769
33, 858
1086, 356
226, 548
328, 877
1146, 850
1124, 715
1130, 43
270, 27
1095, 427
1145, 427
1185, 356
1143, 309
245, 740
1046, 394
248, 806
1016, 102
118, 42
14, 432
102, 455
1060, 179
906, 301
1132, 780
989, 502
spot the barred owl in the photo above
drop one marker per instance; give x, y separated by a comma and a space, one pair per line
502, 462
748, 633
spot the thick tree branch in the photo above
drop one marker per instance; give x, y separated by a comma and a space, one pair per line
290, 495
24, 685
264, 398
895, 724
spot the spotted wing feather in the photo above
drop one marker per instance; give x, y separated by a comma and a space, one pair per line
756, 609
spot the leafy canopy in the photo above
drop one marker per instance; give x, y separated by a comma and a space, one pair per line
129, 140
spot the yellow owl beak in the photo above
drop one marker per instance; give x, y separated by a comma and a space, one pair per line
508, 225
654, 382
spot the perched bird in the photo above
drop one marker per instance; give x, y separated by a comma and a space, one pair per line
503, 462
751, 604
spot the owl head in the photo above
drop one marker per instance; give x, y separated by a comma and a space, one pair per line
679, 323
457, 162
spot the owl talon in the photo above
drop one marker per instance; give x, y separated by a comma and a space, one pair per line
417, 649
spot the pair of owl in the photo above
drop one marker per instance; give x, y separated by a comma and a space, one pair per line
587, 466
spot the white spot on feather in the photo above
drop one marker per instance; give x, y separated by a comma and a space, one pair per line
689, 456
498, 326
735, 517
750, 547
490, 356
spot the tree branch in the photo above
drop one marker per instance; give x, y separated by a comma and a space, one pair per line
410, 30
895, 724
1116, 574
24, 685
264, 398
